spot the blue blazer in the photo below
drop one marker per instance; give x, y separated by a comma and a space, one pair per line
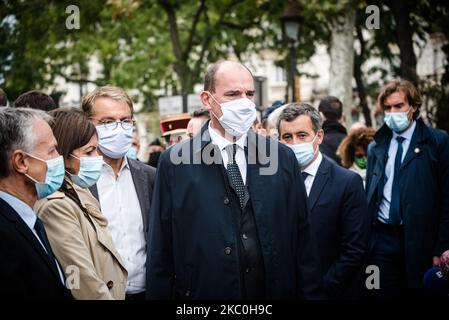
424, 192
193, 240
339, 219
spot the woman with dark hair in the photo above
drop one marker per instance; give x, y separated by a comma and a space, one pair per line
353, 150
76, 228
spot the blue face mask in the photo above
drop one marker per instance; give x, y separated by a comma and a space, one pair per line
53, 178
132, 153
397, 121
304, 152
89, 172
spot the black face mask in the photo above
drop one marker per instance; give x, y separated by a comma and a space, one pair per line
154, 159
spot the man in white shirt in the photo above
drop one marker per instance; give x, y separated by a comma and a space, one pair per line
337, 202
125, 186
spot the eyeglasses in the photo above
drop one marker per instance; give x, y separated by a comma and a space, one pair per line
111, 124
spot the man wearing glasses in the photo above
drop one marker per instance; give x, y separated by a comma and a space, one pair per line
125, 186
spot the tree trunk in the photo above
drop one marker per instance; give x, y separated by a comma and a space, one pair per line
404, 33
342, 60
358, 76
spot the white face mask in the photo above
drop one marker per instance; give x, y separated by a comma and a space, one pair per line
238, 116
114, 143
304, 152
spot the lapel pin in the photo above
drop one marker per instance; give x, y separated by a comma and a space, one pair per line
417, 150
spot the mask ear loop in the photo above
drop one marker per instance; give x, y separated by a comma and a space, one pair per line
215, 100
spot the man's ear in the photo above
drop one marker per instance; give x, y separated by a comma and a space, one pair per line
19, 161
204, 96
320, 136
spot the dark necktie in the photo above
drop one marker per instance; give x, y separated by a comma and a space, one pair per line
40, 230
395, 203
234, 173
304, 175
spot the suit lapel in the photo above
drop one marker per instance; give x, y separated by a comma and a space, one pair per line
141, 186
379, 152
321, 178
23, 229
415, 149
94, 191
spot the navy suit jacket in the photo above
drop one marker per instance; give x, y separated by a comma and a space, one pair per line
339, 219
26, 272
193, 250
424, 194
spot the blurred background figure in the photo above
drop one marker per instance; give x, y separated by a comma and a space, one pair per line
3, 98
174, 128
133, 152
436, 279
199, 117
76, 228
356, 125
35, 100
154, 151
331, 110
353, 150
270, 123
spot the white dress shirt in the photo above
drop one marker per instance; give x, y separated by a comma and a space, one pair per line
27, 214
384, 207
222, 143
120, 204
312, 169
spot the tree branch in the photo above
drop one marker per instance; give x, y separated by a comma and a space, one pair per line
192, 31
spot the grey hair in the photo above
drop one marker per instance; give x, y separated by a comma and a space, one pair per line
16, 132
294, 110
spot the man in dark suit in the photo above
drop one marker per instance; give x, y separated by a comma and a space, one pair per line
331, 110
337, 202
125, 187
28, 268
408, 194
229, 218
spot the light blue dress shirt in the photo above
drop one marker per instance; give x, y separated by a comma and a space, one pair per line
384, 207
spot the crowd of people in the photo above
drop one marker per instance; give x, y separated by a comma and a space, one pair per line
294, 206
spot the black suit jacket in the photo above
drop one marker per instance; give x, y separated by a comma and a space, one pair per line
193, 239
340, 221
143, 177
424, 193
26, 272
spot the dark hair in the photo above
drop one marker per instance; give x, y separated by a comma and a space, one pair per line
408, 88
3, 98
35, 100
201, 113
294, 110
209, 79
72, 129
331, 107
358, 138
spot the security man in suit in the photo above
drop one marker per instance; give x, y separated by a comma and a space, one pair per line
338, 206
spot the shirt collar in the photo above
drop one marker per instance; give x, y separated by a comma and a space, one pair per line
222, 142
125, 165
23, 210
406, 134
312, 169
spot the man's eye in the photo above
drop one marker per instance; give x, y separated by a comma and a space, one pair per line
250, 94
107, 121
